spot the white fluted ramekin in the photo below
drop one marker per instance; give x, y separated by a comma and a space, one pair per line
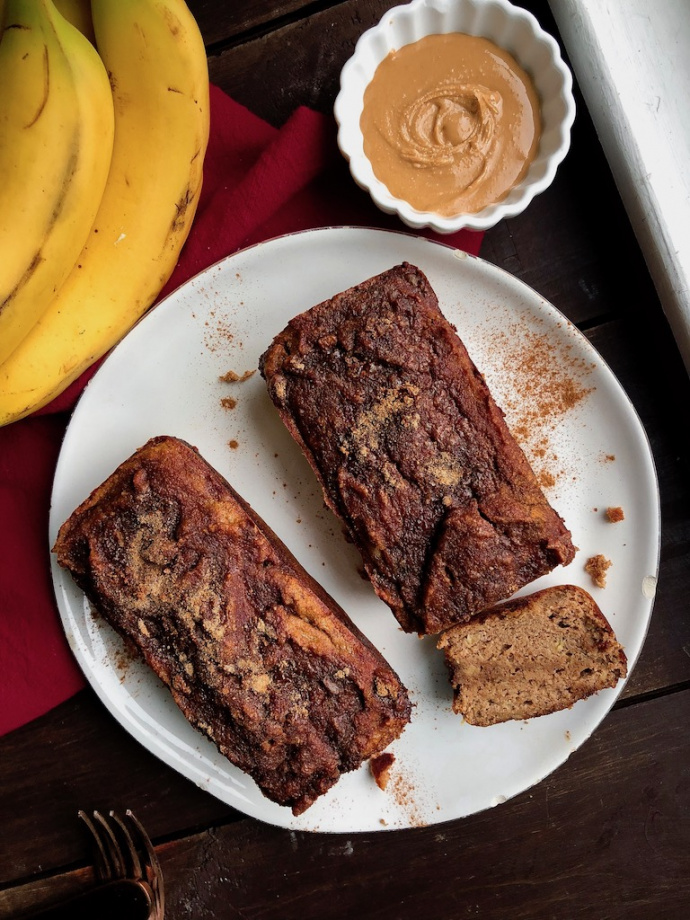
513, 29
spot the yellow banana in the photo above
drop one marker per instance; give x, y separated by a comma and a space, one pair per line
78, 12
155, 56
56, 137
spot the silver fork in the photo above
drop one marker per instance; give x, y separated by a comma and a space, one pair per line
125, 851
129, 871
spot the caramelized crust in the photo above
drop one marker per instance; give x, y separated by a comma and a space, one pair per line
412, 452
255, 653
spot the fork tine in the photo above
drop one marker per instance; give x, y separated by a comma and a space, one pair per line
105, 869
155, 874
136, 866
112, 846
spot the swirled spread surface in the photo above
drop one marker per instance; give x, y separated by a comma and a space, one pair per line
450, 123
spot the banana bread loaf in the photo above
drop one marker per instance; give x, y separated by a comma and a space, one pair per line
412, 452
531, 656
254, 651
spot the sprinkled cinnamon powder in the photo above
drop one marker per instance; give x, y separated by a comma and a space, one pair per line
218, 332
546, 479
538, 380
227, 402
233, 444
596, 567
123, 658
404, 795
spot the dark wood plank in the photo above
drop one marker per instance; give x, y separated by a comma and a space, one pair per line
77, 756
226, 22
645, 359
643, 355
606, 836
571, 261
295, 64
45, 892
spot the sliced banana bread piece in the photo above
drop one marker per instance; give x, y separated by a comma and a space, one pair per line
531, 656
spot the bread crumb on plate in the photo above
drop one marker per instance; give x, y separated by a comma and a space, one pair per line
597, 567
615, 515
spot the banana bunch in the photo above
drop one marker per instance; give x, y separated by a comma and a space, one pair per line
87, 260
56, 142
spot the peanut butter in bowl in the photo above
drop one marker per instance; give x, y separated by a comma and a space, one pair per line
454, 114
450, 123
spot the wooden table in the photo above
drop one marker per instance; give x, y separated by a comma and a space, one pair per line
608, 834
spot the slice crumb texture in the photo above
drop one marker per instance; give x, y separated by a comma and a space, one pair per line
531, 656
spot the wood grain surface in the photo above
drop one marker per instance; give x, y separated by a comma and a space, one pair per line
605, 837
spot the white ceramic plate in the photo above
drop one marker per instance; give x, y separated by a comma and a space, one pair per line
164, 379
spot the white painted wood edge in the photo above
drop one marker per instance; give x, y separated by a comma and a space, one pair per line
631, 59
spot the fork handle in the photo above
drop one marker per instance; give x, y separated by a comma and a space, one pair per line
123, 898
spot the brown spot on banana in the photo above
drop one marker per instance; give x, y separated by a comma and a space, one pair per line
171, 20
181, 206
70, 169
54, 217
31, 268
46, 88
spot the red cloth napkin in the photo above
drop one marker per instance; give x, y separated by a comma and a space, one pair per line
259, 182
